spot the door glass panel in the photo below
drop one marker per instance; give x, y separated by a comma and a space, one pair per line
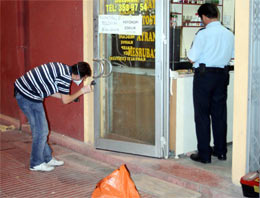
127, 96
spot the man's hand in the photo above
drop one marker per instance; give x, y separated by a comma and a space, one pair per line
191, 61
69, 98
86, 89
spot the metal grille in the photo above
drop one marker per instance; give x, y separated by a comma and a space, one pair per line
253, 159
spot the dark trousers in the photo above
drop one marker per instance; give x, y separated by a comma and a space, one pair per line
209, 98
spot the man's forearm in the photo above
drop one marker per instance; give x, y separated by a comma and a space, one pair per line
69, 98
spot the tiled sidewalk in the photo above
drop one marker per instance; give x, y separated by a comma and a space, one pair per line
77, 178
71, 180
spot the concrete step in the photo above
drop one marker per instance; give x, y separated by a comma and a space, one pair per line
144, 183
193, 177
161, 188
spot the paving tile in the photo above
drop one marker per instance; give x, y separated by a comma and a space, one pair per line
77, 178
187, 172
85, 167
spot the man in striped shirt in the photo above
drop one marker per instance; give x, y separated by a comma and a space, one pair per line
30, 89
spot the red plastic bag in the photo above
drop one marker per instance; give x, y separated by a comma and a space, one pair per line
116, 185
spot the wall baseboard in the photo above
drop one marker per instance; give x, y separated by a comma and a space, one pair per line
10, 121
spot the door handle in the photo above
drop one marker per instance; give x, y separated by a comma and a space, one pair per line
102, 62
101, 68
107, 62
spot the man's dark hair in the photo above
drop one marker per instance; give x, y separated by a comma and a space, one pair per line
209, 10
82, 69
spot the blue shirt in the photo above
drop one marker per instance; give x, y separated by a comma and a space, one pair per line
45, 80
213, 46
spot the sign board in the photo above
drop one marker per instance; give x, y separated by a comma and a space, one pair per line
120, 24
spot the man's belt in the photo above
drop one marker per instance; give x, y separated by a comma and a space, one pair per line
203, 68
211, 69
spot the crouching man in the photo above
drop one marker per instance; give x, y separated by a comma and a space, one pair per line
31, 89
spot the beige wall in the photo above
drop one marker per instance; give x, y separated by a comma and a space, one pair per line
240, 89
88, 57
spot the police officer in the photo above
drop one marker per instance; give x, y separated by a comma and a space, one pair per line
211, 51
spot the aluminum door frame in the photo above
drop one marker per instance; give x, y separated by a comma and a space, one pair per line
161, 147
253, 115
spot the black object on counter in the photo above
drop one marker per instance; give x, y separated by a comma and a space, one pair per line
175, 44
181, 65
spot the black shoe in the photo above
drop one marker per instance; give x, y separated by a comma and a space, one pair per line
196, 157
220, 157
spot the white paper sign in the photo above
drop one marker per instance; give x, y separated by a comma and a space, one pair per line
118, 24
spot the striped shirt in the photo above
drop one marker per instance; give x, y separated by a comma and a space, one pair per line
45, 80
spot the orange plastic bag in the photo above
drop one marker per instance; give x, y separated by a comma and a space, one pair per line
116, 185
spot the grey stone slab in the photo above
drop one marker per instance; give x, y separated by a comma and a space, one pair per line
87, 162
162, 188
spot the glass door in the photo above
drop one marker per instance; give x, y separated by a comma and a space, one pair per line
131, 102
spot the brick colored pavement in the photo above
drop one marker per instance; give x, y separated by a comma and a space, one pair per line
77, 178
85, 166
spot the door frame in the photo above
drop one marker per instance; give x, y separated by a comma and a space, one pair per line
161, 147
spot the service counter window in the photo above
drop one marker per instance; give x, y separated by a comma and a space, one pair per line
185, 23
